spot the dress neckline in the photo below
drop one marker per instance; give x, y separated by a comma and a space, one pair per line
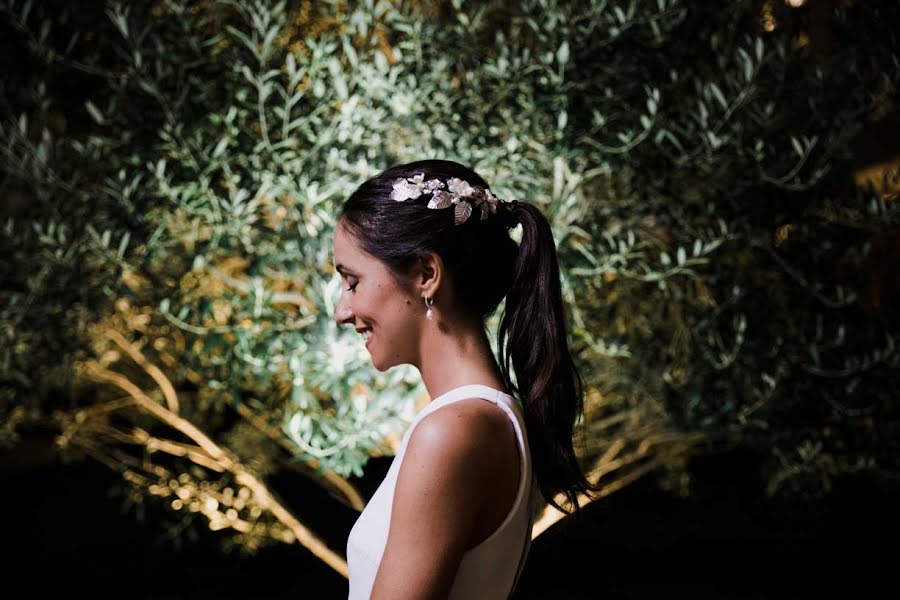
459, 391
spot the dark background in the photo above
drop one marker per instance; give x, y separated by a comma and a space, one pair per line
71, 535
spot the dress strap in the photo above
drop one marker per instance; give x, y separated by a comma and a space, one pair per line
472, 390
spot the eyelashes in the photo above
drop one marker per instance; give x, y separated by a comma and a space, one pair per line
352, 288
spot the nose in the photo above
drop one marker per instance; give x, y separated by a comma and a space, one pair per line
342, 313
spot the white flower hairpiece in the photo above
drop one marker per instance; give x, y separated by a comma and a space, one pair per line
460, 193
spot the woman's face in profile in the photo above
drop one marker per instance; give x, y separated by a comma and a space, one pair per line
373, 303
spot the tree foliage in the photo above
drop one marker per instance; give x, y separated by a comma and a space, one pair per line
171, 172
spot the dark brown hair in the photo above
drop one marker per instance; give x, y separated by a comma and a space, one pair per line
486, 266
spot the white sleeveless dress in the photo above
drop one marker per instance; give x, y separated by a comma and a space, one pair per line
487, 571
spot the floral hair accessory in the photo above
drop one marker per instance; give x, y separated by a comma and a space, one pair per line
464, 196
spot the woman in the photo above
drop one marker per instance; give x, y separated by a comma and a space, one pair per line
452, 518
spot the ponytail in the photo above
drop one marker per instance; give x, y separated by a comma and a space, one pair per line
547, 380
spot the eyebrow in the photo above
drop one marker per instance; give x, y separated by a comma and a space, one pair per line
343, 270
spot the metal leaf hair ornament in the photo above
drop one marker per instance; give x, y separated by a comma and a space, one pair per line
464, 196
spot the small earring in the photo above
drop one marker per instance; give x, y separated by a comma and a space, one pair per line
429, 315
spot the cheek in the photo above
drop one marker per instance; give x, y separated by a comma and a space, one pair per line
376, 303
393, 309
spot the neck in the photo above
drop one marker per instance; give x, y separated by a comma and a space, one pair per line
453, 356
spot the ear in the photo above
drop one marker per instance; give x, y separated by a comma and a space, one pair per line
429, 274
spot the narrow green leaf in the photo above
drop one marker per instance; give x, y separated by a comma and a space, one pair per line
94, 112
123, 244
718, 95
562, 55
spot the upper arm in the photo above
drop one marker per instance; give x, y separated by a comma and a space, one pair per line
437, 498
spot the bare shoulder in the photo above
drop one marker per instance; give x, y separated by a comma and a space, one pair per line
470, 424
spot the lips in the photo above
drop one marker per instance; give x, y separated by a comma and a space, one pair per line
367, 335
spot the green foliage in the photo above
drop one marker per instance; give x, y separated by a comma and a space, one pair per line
695, 168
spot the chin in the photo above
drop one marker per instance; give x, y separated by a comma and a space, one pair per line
382, 367
377, 364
